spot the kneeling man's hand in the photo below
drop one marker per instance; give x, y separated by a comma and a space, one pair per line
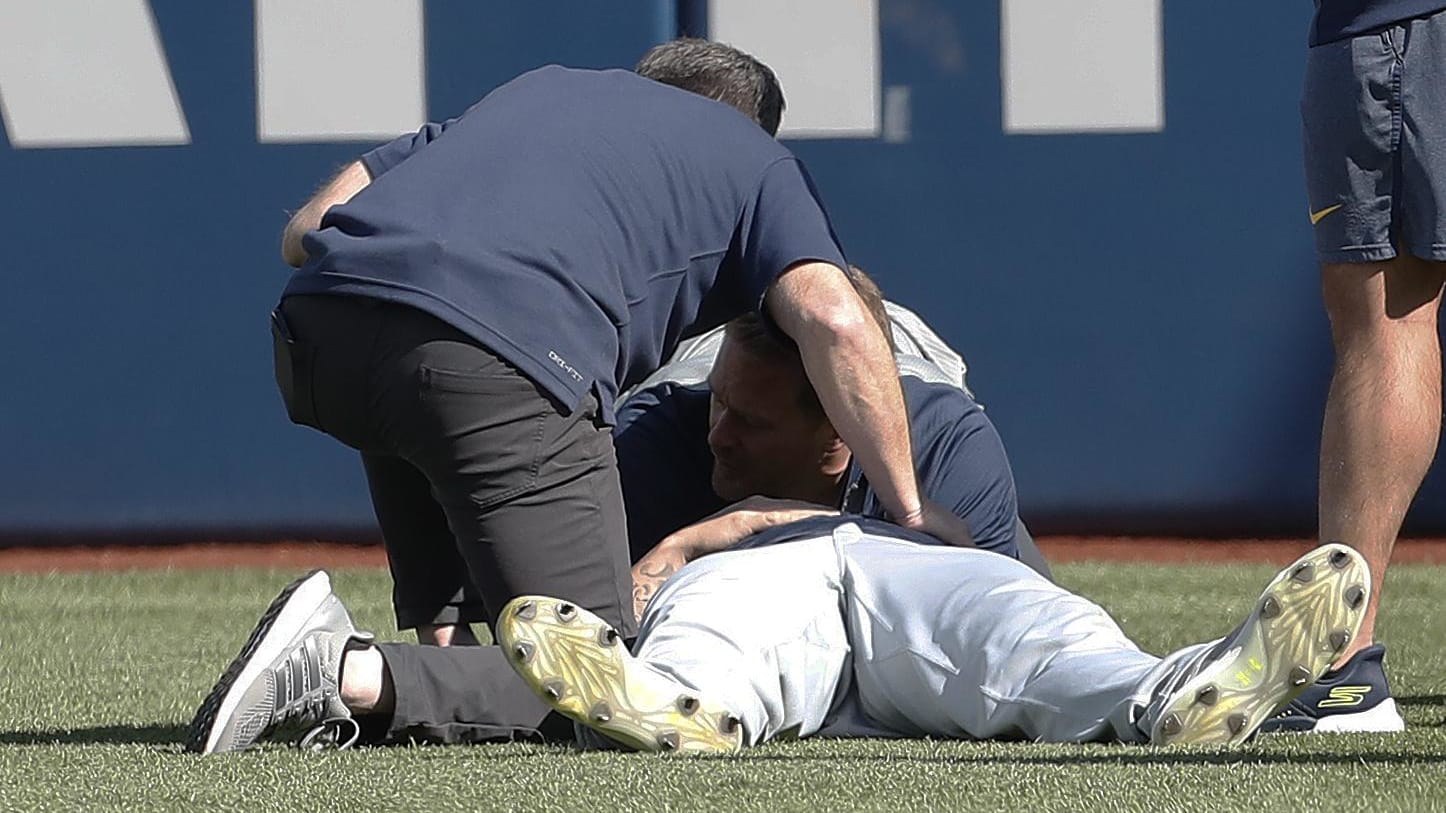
718, 532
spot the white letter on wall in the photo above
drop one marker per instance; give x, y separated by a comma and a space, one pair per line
1082, 66
825, 53
339, 70
86, 73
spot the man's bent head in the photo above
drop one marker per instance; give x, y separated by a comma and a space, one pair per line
768, 433
721, 73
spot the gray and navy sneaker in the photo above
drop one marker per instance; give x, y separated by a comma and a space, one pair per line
579, 665
284, 685
1302, 622
1353, 698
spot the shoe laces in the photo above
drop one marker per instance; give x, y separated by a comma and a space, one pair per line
340, 733
301, 714
303, 695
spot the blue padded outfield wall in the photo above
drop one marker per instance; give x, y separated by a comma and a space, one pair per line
1131, 280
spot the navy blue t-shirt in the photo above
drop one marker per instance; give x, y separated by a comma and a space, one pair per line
666, 465
1338, 19
578, 223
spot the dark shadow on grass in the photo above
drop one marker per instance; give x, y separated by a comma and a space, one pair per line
1424, 705
99, 735
1132, 758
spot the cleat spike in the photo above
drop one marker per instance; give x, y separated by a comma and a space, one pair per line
1270, 608
1236, 723
1303, 574
607, 636
668, 740
600, 713
554, 688
1299, 676
526, 611
1207, 696
566, 612
687, 705
1171, 726
1340, 559
1355, 596
524, 650
1339, 639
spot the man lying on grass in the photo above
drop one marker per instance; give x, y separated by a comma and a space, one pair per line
845, 626
835, 626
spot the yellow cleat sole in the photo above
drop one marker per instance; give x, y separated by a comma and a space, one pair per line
578, 665
1302, 622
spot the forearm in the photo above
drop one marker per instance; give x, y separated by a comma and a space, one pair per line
350, 180
852, 370
718, 532
668, 556
858, 385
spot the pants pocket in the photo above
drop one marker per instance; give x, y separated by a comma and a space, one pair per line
294, 362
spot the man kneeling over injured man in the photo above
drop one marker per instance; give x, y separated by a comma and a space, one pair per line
289, 677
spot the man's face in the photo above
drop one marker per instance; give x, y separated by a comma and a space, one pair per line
763, 439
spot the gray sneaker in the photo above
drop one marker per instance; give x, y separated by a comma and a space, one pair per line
1299, 627
284, 685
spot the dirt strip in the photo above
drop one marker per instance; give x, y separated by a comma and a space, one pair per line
1270, 551
301, 555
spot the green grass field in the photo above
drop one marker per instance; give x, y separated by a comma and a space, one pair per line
99, 674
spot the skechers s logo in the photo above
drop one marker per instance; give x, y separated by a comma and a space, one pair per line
1344, 696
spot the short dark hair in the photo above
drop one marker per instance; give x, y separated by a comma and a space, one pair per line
765, 341
721, 73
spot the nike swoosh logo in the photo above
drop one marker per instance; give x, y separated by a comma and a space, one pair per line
1316, 217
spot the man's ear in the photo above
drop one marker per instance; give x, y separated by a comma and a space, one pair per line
836, 454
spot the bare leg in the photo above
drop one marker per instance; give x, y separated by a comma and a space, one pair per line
366, 685
446, 635
1383, 413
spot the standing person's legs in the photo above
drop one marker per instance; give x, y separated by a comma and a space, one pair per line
1383, 411
1374, 116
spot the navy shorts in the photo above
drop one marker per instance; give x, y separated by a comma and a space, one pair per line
1374, 116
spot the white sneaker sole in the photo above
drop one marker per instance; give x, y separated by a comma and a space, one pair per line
575, 662
1301, 624
1382, 718
275, 631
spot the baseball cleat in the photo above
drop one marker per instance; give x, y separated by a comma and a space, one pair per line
1301, 624
284, 684
577, 663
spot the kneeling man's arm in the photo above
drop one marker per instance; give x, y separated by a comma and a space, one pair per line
352, 179
850, 366
718, 532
